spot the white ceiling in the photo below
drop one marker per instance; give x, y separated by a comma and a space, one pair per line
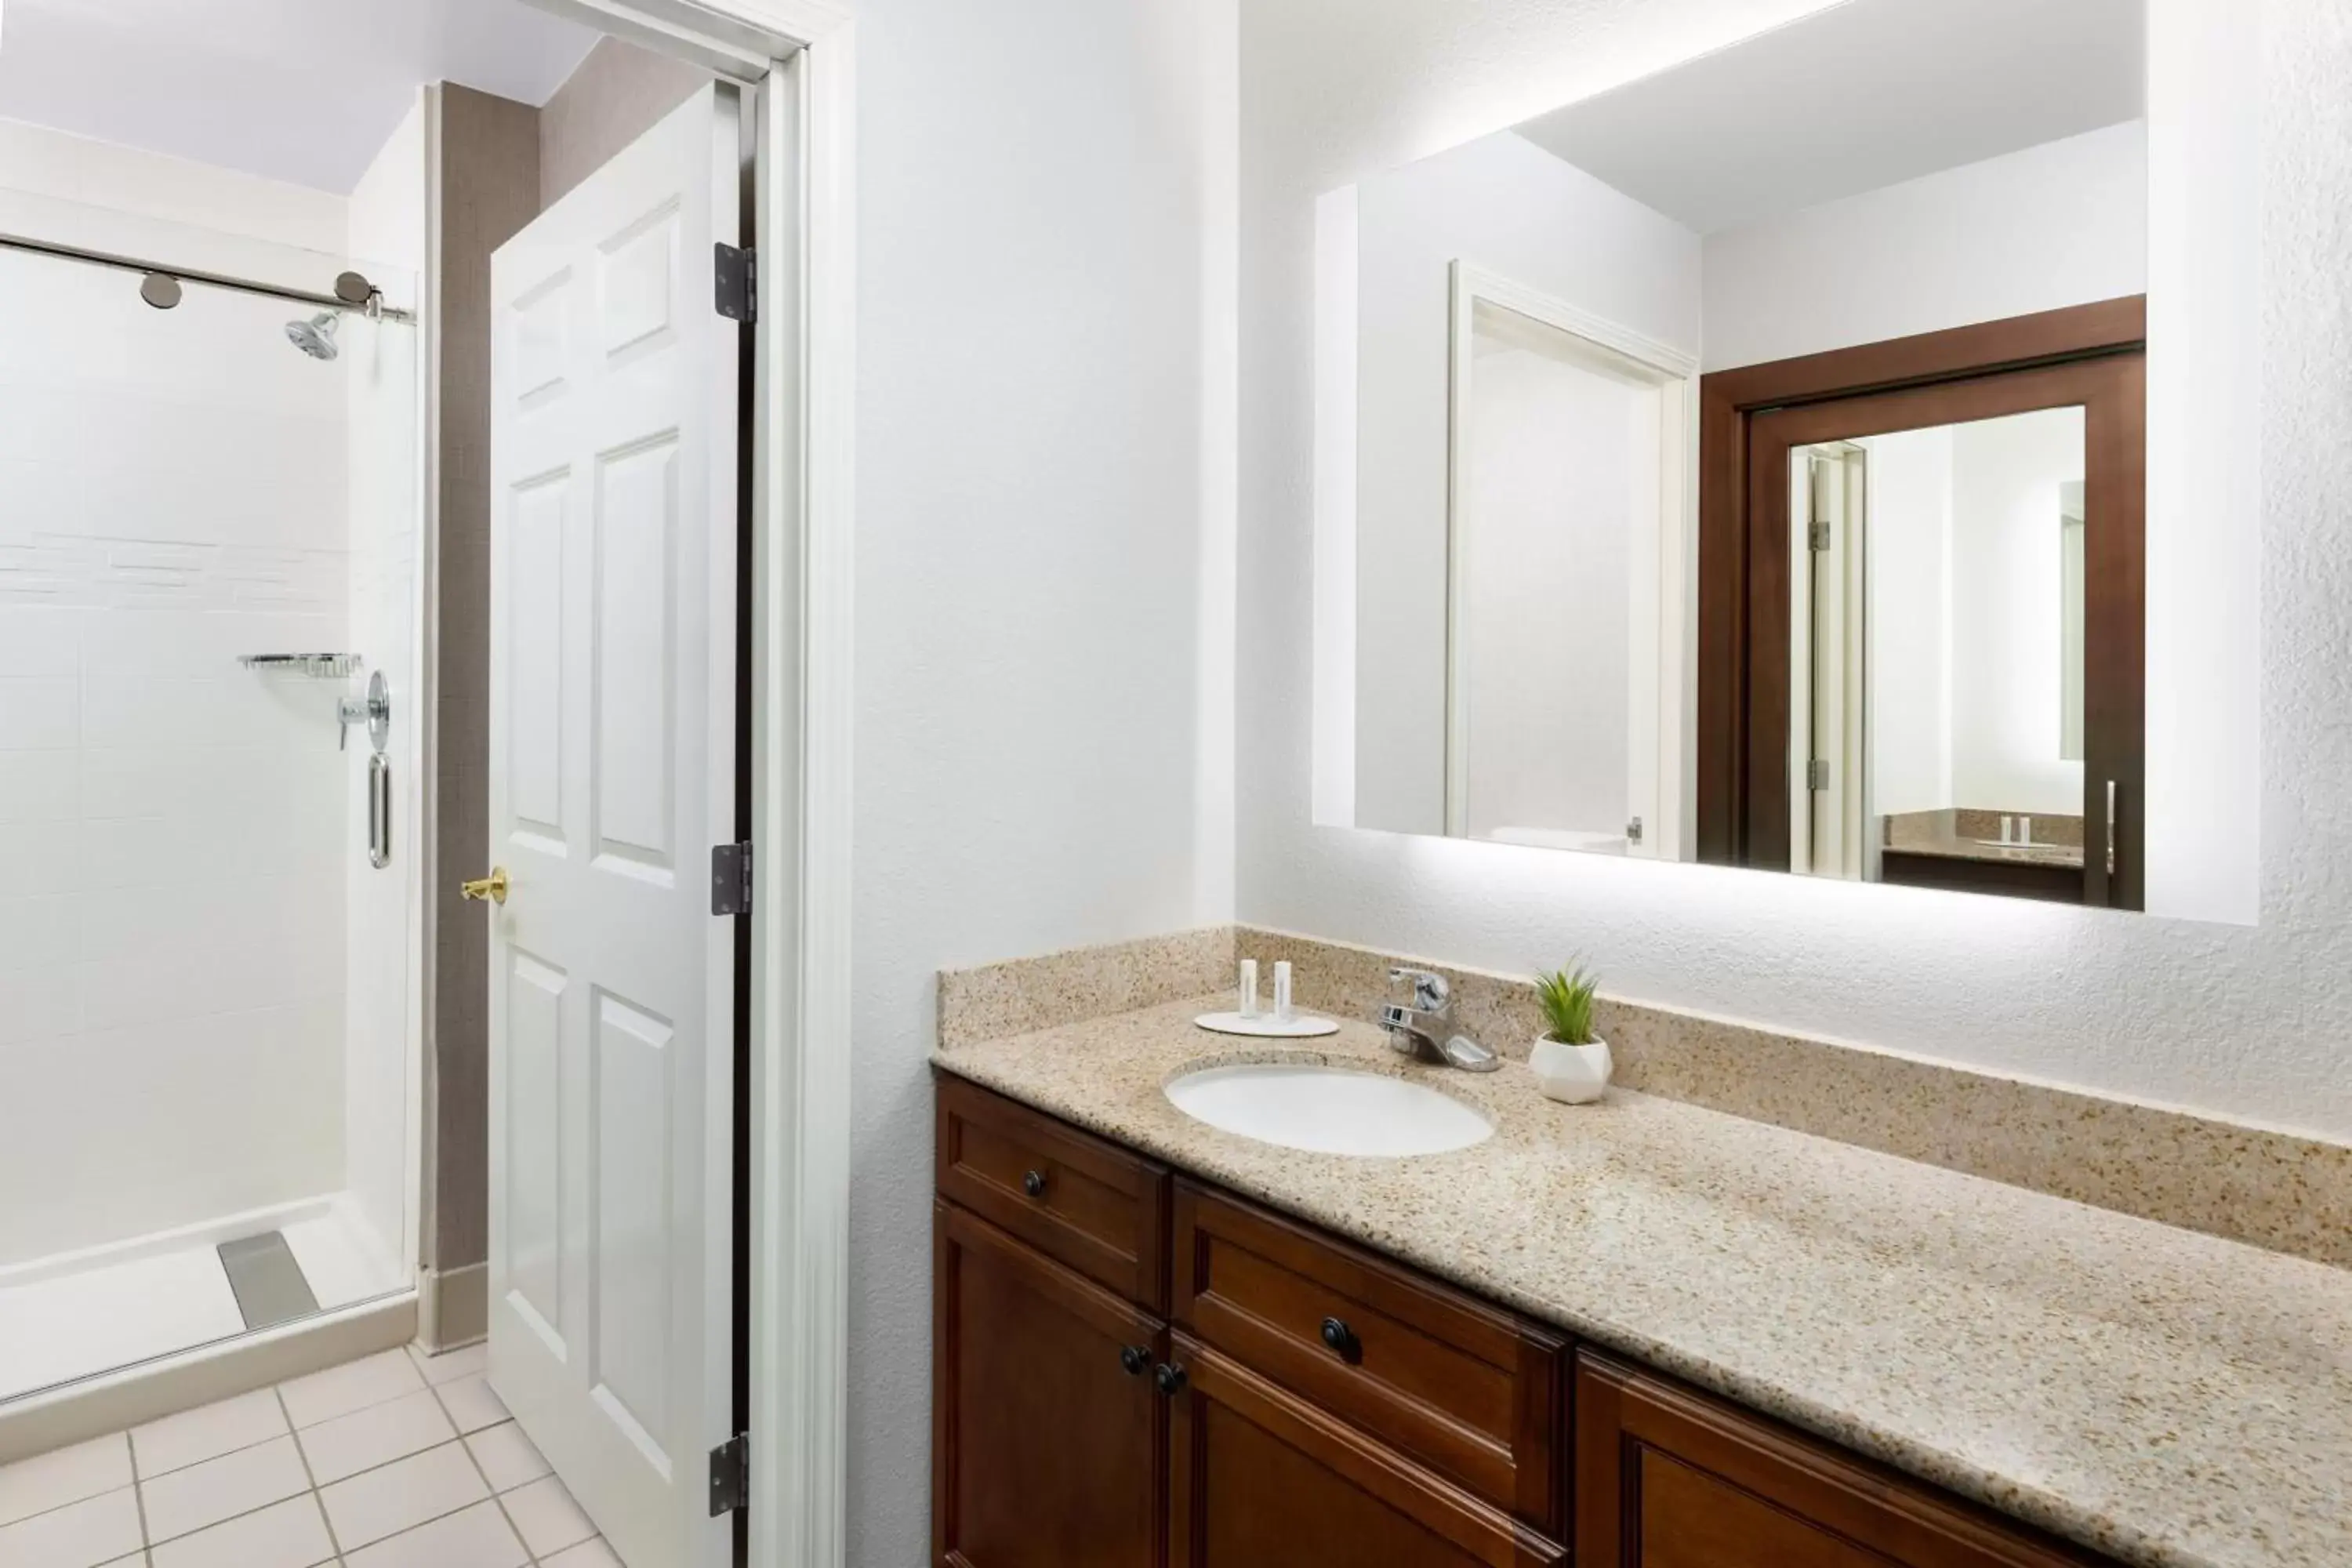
305, 90
1863, 95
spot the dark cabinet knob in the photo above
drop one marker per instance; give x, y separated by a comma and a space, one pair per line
1170, 1379
1341, 1339
1135, 1359
1033, 1184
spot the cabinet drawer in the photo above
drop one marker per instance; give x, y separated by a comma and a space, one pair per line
1473, 1394
1077, 1199
1670, 1477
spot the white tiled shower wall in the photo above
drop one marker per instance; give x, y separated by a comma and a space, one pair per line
176, 833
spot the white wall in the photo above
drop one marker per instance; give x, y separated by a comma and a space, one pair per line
2007, 624
2062, 224
171, 494
1967, 615
2129, 1004
1036, 500
1910, 538
382, 1025
1555, 469
1508, 206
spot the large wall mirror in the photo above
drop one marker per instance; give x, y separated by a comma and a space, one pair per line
1748, 465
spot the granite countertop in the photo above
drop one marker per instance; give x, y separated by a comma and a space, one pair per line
1973, 849
2154, 1393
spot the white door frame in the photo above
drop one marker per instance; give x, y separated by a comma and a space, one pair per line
1659, 606
801, 56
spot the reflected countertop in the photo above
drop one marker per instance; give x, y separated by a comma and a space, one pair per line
2160, 1395
1975, 850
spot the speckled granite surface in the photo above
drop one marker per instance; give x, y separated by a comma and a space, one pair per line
997, 999
2252, 1184
2167, 1397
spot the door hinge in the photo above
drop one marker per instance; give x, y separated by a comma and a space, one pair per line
738, 273
1817, 773
1820, 536
730, 878
730, 1475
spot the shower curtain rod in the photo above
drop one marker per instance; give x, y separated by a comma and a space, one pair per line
211, 279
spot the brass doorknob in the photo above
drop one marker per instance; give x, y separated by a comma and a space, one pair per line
491, 888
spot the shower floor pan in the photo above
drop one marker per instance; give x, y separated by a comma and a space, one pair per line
63, 1319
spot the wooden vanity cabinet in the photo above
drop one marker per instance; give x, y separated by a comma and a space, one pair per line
1049, 1436
1259, 1475
1473, 1393
1670, 1477
1133, 1370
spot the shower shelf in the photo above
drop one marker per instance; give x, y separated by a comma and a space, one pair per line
318, 666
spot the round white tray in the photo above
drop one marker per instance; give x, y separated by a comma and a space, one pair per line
1302, 1025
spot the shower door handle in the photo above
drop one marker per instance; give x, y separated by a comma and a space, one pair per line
379, 807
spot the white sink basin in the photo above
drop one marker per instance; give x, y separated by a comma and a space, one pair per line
1329, 1111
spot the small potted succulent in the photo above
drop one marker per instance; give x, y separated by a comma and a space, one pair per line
1571, 1064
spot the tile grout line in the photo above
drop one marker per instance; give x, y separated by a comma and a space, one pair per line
498, 1498
315, 1490
303, 1457
138, 1500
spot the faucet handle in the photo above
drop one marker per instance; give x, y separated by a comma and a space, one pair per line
1429, 991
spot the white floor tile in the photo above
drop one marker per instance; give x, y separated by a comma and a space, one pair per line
208, 1432
290, 1534
66, 1475
478, 1538
472, 1404
355, 1386
507, 1456
73, 1325
547, 1517
587, 1554
80, 1535
451, 1366
188, 1499
375, 1436
401, 1495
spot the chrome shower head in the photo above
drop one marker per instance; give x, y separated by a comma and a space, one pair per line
315, 337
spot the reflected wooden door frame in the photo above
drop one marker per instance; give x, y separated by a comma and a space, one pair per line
1750, 418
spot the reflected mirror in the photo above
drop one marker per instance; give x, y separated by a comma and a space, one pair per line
1747, 465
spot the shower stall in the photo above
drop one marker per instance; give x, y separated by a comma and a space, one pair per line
211, 671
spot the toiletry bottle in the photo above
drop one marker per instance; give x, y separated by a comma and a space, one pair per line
1249, 988
1282, 991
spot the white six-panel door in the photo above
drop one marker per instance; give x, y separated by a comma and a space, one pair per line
612, 676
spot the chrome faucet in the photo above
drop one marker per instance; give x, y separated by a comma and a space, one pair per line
1416, 1031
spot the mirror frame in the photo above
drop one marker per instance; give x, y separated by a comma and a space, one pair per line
1742, 808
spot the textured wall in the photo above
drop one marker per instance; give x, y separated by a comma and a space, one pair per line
2250, 1021
617, 95
488, 149
1029, 588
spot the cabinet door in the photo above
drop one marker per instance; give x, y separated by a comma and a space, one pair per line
1259, 1476
1668, 1478
1049, 1440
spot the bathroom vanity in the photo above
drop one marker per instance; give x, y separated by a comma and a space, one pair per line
1133, 1366
1641, 1332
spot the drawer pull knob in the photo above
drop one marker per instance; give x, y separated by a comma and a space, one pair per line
1135, 1359
1341, 1339
1033, 1184
1170, 1379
